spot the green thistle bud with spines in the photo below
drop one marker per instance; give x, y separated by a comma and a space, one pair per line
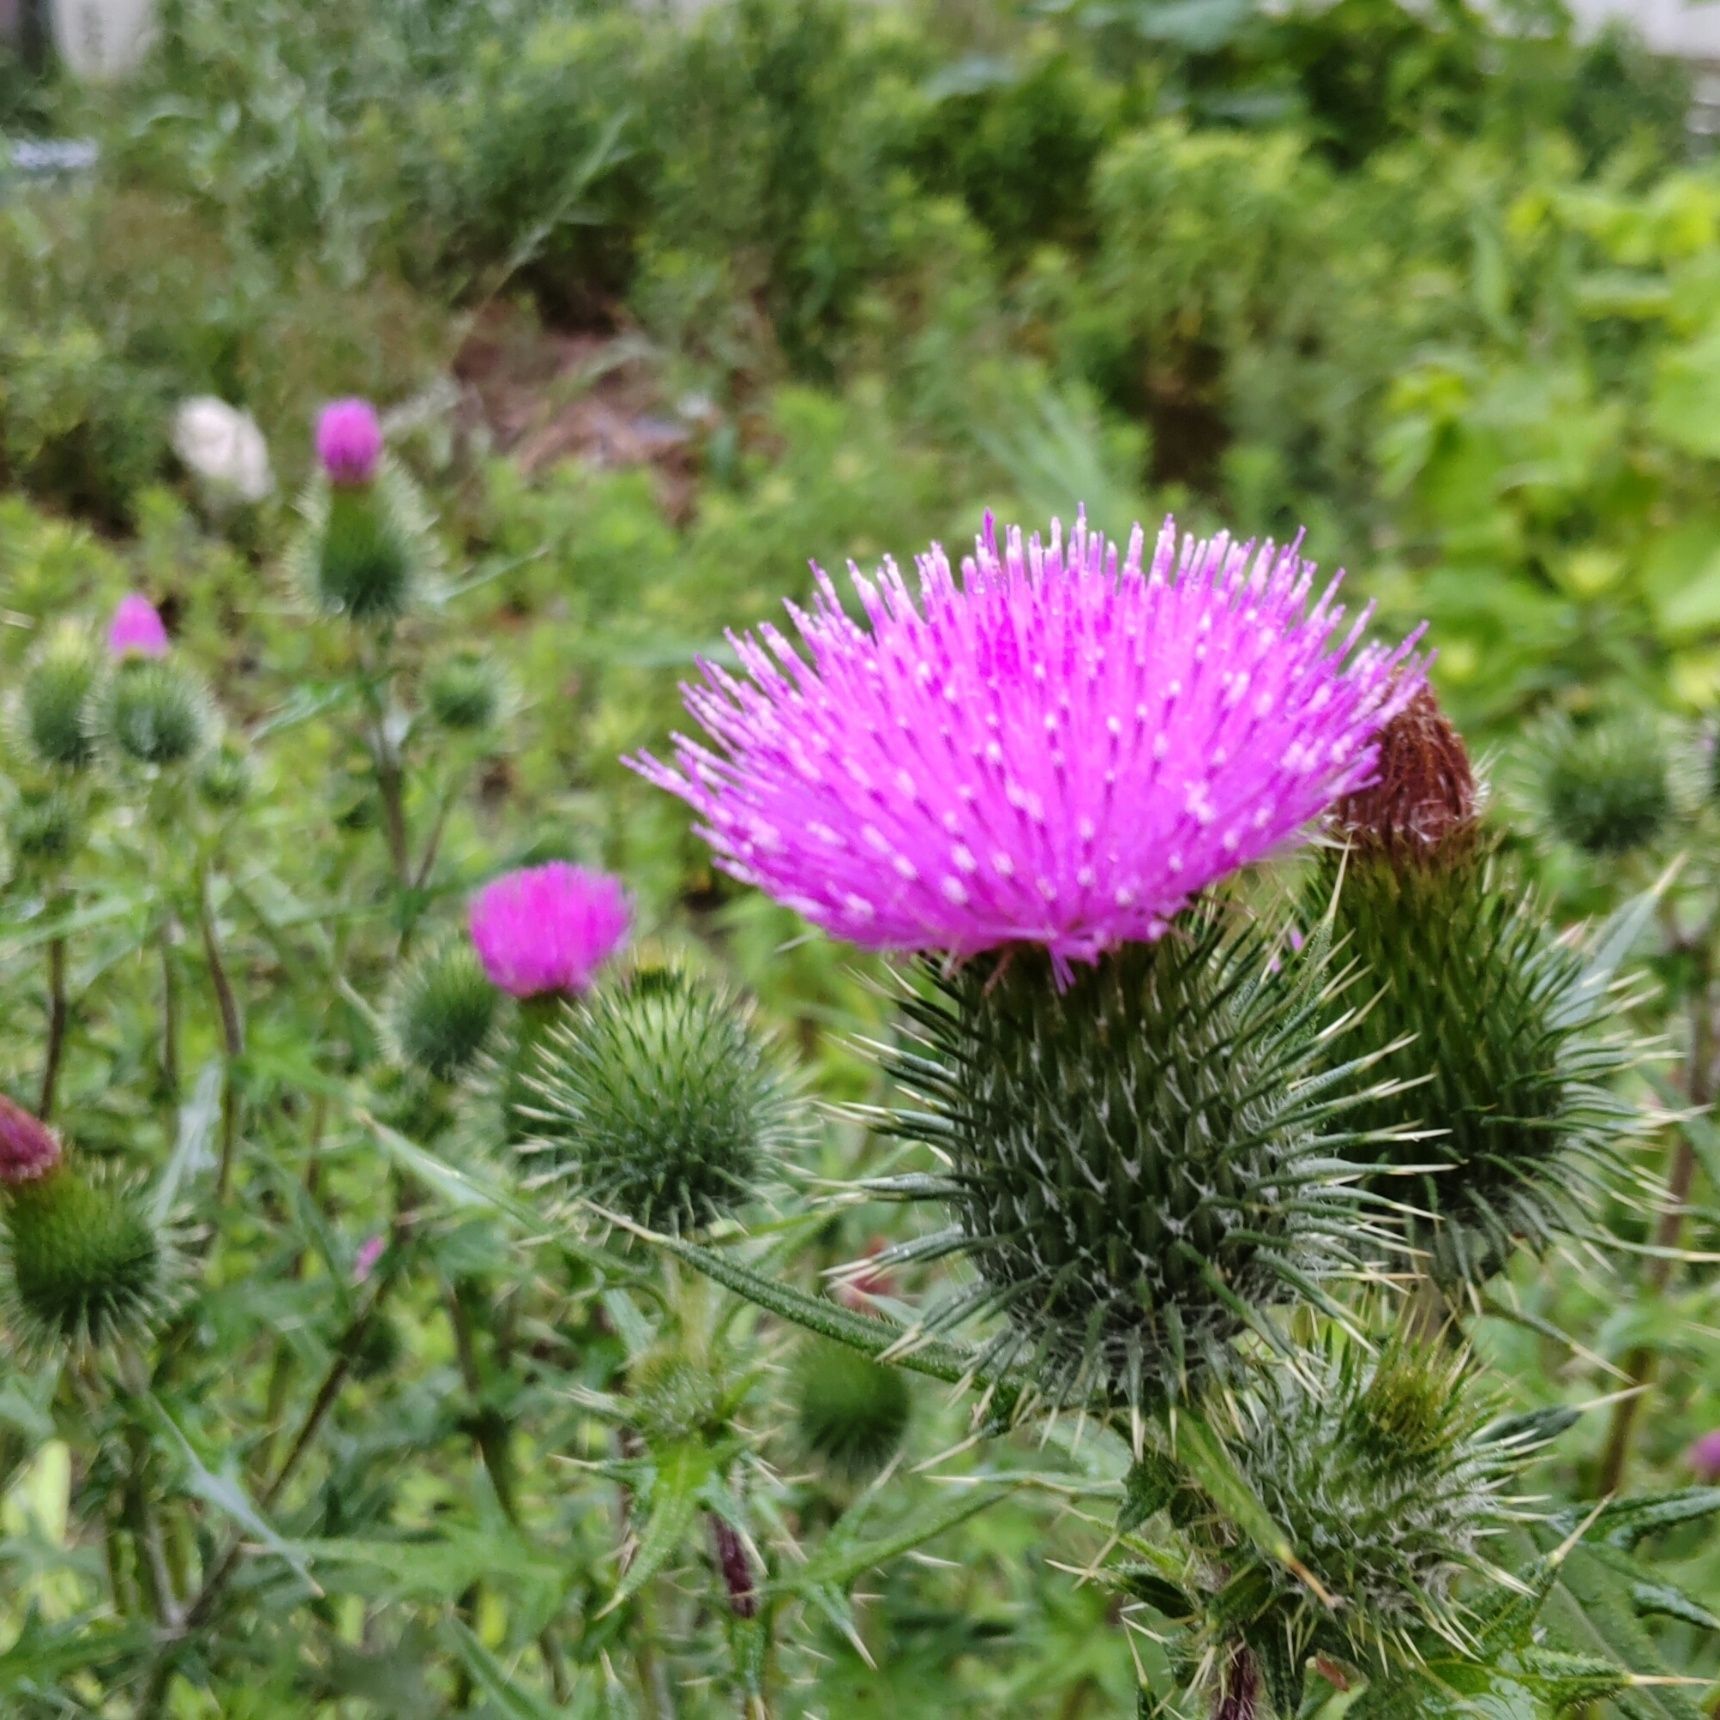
365, 552
224, 777
1479, 1010
43, 828
1143, 1165
464, 693
1609, 785
850, 1411
661, 1099
1389, 1476
89, 1266
154, 711
1606, 786
443, 1011
56, 710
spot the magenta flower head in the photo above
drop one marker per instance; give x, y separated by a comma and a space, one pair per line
547, 929
1060, 747
349, 442
136, 629
365, 1257
1704, 1457
29, 1149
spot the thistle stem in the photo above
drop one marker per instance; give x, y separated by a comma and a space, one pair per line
1669, 1230
169, 1013
1238, 1695
59, 1015
232, 1038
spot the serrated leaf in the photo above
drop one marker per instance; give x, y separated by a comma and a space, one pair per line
680, 1472
494, 1680
1667, 1600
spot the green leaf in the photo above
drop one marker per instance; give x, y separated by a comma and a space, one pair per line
439, 1567
192, 1154
868, 1334
681, 1470
493, 1679
1667, 1600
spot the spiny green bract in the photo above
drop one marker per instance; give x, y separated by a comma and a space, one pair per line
1605, 786
443, 1010
224, 778
154, 711
1140, 1165
1388, 1476
463, 693
56, 718
1482, 1017
89, 1266
365, 550
43, 829
850, 1411
660, 1099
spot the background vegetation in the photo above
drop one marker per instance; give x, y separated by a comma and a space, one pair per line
661, 308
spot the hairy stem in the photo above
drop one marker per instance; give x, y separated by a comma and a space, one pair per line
59, 1016
232, 1038
169, 1013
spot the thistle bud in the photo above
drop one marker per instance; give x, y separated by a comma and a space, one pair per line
156, 713
224, 777
660, 1099
1388, 1476
88, 1264
56, 706
444, 1008
366, 544
463, 694
1139, 1165
1476, 1012
43, 829
1703, 1458
851, 1412
1604, 786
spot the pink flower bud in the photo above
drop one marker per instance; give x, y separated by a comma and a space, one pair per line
136, 629
366, 1256
349, 442
28, 1147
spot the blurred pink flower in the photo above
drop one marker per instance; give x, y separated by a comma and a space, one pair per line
365, 1257
1062, 746
1704, 1457
548, 929
28, 1147
136, 629
349, 442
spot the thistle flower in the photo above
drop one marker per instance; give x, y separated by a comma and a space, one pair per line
659, 1099
1389, 1474
548, 929
1484, 1018
1061, 747
349, 442
365, 1257
28, 1147
136, 629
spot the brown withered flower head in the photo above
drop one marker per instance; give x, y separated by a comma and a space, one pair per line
1424, 797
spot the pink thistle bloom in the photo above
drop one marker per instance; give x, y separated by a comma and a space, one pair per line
349, 442
136, 629
1061, 747
28, 1147
548, 929
1704, 1457
365, 1257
